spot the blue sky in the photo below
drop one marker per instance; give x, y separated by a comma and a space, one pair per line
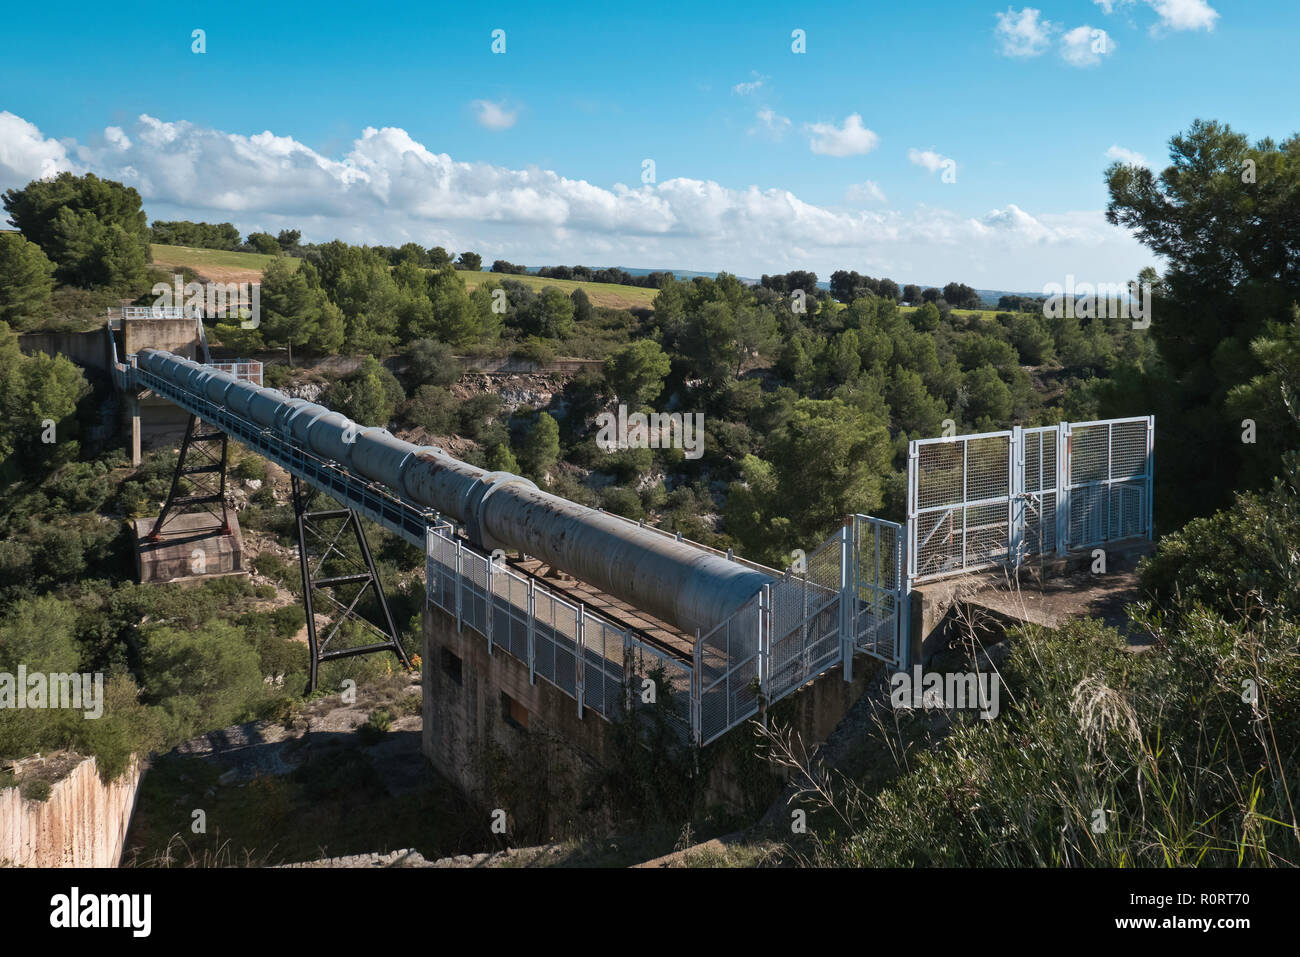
764, 159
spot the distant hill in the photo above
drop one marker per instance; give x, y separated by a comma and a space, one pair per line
990, 297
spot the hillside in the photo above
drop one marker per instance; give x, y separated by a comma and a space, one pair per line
218, 265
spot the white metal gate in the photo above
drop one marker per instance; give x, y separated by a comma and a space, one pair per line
877, 615
978, 501
959, 503
1109, 484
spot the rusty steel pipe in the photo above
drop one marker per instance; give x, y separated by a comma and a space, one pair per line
675, 582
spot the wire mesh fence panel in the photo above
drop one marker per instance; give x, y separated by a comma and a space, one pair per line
1040, 487
1128, 449
510, 613
987, 535
657, 680
473, 590
806, 621
1127, 510
878, 587
566, 646
732, 694
983, 500
544, 635
603, 648
441, 577
988, 467
940, 466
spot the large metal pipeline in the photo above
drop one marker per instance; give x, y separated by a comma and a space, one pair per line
677, 583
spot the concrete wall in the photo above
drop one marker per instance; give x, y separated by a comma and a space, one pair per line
180, 336
468, 738
86, 349
82, 824
538, 774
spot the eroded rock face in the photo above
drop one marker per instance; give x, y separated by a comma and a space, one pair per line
311, 391
82, 823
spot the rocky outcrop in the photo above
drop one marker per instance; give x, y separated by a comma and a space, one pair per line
82, 823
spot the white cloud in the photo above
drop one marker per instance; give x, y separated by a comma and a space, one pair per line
1085, 46
388, 188
771, 125
931, 160
1173, 14
1023, 34
25, 154
1126, 156
867, 191
851, 139
116, 138
749, 86
494, 116
1185, 14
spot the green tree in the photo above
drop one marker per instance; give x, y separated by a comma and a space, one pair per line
637, 371
989, 402
38, 402
296, 311
550, 315
431, 363
207, 677
25, 282
541, 447
1225, 217
368, 396
501, 459
94, 230
826, 462
457, 318
263, 243
583, 311
470, 262
913, 409
369, 297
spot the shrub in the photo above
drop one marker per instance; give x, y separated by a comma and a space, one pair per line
36, 790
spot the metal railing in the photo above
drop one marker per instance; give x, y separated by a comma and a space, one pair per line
600, 663
248, 369
152, 312
847, 598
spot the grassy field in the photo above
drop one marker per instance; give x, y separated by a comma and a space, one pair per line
985, 314
218, 265
600, 293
